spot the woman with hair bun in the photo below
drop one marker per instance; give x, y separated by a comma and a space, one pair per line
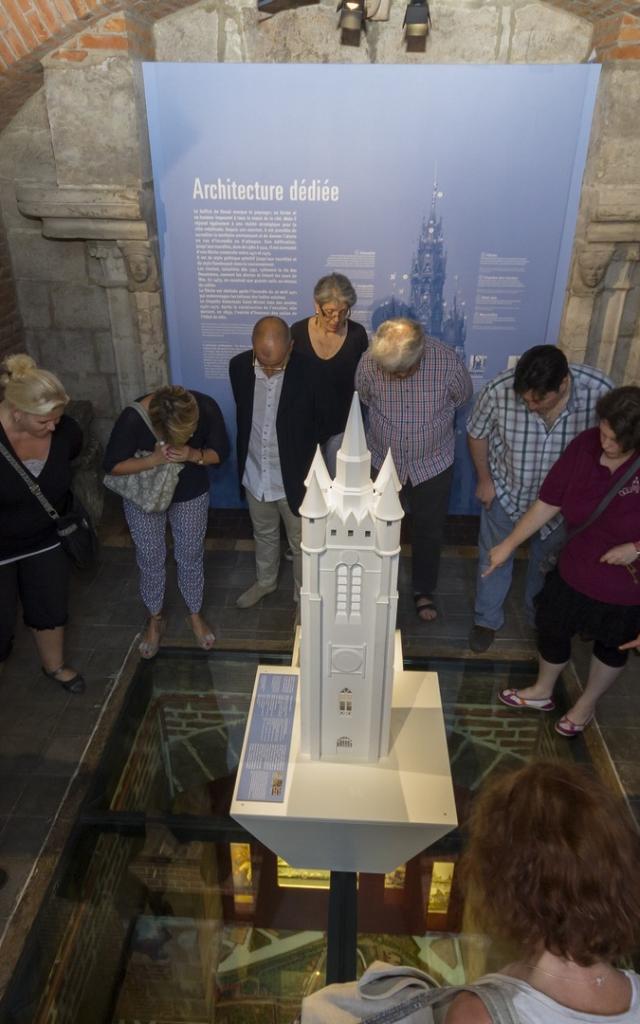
335, 344
191, 431
33, 567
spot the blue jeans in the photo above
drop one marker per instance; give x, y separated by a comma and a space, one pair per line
491, 591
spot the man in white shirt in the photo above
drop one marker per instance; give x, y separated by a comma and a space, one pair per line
279, 426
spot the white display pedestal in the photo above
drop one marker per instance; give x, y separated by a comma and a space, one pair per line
357, 817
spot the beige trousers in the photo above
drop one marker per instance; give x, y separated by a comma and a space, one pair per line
265, 519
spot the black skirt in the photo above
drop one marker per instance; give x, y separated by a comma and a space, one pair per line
562, 611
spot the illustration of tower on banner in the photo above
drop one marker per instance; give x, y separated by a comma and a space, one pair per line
454, 327
349, 598
428, 271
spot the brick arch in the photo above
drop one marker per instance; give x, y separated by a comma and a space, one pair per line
30, 30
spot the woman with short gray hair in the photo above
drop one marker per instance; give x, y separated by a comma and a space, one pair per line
335, 343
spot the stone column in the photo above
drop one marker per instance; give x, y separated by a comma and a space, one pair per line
121, 260
601, 320
99, 205
107, 268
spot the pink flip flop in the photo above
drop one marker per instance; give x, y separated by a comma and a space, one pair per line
513, 699
567, 728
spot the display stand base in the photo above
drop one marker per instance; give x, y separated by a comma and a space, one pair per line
356, 817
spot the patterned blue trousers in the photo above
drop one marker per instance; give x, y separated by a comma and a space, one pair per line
188, 522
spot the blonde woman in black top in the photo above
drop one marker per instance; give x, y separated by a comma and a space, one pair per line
33, 566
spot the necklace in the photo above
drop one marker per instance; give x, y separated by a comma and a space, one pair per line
599, 979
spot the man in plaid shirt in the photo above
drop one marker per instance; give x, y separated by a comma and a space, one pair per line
522, 421
412, 386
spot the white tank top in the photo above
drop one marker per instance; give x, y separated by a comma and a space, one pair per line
533, 1007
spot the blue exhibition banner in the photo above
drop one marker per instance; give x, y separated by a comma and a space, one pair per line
446, 193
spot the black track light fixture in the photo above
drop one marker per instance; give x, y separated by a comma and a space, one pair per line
352, 17
417, 20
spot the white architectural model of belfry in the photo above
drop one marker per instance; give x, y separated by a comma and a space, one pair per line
349, 598
344, 764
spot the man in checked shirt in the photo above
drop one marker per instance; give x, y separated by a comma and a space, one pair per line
412, 386
522, 421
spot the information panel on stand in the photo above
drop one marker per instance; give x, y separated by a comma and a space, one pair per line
263, 770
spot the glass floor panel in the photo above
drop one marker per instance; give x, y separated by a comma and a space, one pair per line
164, 909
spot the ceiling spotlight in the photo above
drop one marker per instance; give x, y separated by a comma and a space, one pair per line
352, 15
417, 19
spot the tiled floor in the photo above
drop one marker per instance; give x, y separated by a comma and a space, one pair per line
44, 730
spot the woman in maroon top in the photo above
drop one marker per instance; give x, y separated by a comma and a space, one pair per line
596, 586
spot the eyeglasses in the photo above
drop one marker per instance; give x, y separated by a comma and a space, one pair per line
272, 368
335, 314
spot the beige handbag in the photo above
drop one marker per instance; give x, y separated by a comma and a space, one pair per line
152, 489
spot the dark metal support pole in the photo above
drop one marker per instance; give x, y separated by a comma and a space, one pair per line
342, 928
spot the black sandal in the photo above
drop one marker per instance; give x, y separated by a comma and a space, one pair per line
74, 685
424, 602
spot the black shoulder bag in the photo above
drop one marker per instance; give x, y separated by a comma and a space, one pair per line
549, 561
75, 532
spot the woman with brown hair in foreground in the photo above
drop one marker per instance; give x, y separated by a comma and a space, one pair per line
552, 867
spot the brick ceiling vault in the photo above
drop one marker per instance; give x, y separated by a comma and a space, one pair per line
31, 30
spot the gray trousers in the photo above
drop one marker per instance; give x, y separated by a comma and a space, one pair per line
265, 519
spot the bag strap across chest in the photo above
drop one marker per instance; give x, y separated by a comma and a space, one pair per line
32, 484
144, 415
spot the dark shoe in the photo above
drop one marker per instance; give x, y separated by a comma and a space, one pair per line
74, 685
425, 607
481, 638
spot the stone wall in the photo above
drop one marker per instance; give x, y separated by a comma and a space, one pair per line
76, 192
65, 316
601, 323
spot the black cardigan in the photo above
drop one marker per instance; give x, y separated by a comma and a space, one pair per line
299, 421
25, 527
337, 374
131, 434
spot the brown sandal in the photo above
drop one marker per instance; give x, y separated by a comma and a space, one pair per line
149, 648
